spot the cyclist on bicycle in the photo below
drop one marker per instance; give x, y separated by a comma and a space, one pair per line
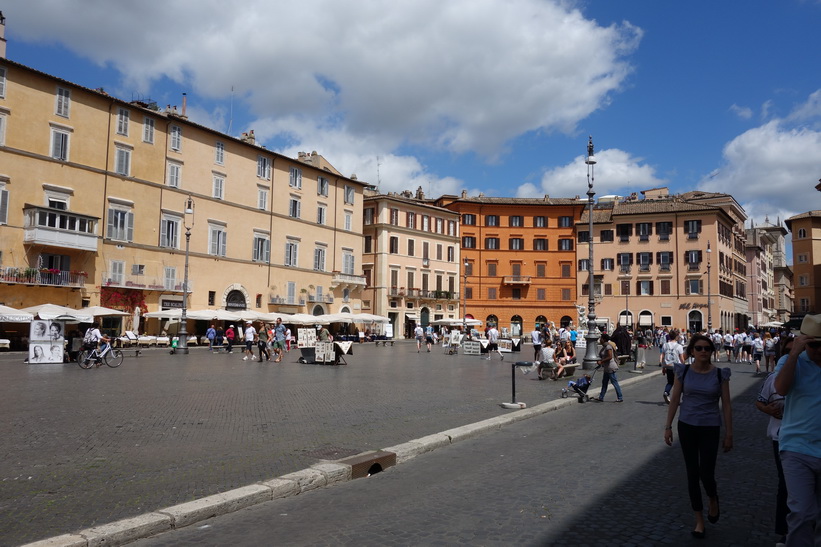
92, 337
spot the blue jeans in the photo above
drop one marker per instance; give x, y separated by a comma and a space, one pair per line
606, 379
803, 476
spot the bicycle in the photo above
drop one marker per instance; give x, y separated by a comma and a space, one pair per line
110, 356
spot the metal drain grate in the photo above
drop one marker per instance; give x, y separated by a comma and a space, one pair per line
332, 452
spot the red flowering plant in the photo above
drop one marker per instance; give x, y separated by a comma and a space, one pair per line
123, 299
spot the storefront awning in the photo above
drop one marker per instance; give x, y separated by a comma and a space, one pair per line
646, 321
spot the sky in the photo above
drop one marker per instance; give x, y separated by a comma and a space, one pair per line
489, 96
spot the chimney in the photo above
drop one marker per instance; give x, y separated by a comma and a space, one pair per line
464, 194
2, 36
184, 104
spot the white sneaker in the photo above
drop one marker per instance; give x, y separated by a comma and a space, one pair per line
501, 357
666, 397
245, 358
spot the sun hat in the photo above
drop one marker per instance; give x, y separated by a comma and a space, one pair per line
811, 326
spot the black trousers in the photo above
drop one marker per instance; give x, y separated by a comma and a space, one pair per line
699, 445
781, 508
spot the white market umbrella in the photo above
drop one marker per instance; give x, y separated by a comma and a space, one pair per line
773, 324
13, 315
101, 311
373, 318
165, 314
53, 311
218, 315
308, 319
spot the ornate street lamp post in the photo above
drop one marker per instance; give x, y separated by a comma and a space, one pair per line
709, 293
591, 354
465, 301
183, 333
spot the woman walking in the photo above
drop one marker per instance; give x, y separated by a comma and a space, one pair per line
699, 424
610, 365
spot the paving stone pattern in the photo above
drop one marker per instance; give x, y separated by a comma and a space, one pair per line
86, 447
592, 474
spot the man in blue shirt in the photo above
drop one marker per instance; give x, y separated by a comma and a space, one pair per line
279, 339
800, 436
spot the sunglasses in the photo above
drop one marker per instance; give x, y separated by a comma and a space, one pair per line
702, 348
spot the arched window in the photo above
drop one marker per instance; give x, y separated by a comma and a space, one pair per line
541, 321
424, 315
235, 301
492, 321
516, 325
625, 318
565, 321
802, 233
317, 310
646, 319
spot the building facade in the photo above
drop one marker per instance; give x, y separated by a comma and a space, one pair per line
806, 248
518, 255
663, 261
93, 199
411, 260
769, 286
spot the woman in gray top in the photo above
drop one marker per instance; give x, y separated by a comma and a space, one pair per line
702, 386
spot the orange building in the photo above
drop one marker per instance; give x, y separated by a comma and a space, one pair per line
519, 255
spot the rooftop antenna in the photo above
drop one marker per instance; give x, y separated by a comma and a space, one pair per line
378, 177
231, 112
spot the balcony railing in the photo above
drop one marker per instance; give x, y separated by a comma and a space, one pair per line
347, 280
143, 282
624, 268
516, 280
326, 298
56, 228
47, 277
664, 267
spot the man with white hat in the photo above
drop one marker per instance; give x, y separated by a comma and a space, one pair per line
250, 340
800, 436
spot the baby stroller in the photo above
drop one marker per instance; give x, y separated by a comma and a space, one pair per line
580, 386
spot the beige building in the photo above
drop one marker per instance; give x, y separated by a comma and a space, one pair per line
806, 249
93, 199
411, 260
665, 261
769, 278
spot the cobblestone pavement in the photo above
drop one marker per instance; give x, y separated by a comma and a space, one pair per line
592, 474
87, 447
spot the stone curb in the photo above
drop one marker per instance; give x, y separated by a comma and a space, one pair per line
317, 476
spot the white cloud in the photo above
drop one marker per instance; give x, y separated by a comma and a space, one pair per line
743, 112
463, 75
616, 172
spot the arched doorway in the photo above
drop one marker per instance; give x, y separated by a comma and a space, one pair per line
626, 318
424, 317
541, 321
695, 320
645, 319
516, 325
565, 321
235, 301
491, 321
318, 310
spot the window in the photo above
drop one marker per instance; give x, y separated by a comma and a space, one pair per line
263, 167
2, 128
803, 280
516, 294
294, 207
176, 138
802, 258
566, 244
491, 220
170, 278
348, 262
804, 305
624, 260
291, 255
606, 236
319, 259
469, 268
262, 198
644, 288
439, 226
410, 221
219, 153
469, 220
4, 206
565, 222
394, 245
411, 281
395, 217
624, 231
368, 244
62, 105
802, 233
170, 232
566, 270
411, 247
122, 160
320, 214
625, 288
693, 286
452, 228
2, 82
425, 223
491, 243
541, 268
608, 289
491, 269
425, 250
644, 260
350, 194
584, 265
148, 130
295, 177
583, 236
120, 224
665, 286
607, 264
693, 228
174, 174
438, 251
451, 253
123, 117
540, 244
322, 186
540, 222
665, 259
468, 293
516, 244
693, 259
540, 294
217, 240
59, 144
262, 248
469, 242
219, 187
565, 294
348, 222
664, 229
517, 221
367, 216
644, 230
116, 274
491, 293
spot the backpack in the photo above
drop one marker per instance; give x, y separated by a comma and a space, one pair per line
89, 336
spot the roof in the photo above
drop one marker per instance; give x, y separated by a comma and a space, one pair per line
808, 214
398, 198
547, 200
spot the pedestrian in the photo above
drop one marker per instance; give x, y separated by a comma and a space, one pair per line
770, 345
610, 365
574, 334
536, 339
218, 339
288, 338
673, 355
799, 380
262, 343
279, 338
771, 403
211, 334
699, 424
230, 336
758, 352
429, 336
728, 346
250, 339
419, 334
493, 342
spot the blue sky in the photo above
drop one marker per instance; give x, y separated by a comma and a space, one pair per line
488, 96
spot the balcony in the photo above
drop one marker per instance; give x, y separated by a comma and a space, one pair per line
663, 267
142, 282
516, 280
347, 281
624, 269
55, 228
42, 277
644, 267
326, 298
